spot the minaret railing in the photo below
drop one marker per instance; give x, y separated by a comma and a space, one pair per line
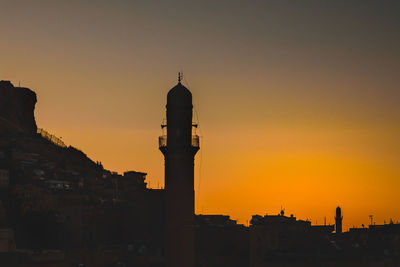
162, 141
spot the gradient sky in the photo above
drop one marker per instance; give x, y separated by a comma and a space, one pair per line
298, 101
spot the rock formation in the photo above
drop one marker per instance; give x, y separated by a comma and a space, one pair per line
17, 105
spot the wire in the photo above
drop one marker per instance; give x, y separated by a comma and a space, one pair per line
201, 150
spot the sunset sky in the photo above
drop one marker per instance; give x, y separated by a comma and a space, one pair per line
298, 101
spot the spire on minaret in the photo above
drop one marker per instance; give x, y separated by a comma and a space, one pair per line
180, 75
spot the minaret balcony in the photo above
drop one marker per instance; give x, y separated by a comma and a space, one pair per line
162, 141
195, 141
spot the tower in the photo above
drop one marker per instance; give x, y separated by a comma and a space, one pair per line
338, 220
179, 147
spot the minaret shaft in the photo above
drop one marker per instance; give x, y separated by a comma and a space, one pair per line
179, 153
338, 220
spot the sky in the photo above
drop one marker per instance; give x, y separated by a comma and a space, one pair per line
297, 101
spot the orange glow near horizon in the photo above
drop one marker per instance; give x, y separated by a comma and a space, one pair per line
305, 171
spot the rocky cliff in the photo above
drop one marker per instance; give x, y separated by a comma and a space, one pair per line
17, 105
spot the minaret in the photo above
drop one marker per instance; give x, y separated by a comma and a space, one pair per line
338, 220
179, 148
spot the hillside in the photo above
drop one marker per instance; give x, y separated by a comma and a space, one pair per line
19, 138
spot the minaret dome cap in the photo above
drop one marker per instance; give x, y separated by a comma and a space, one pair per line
179, 95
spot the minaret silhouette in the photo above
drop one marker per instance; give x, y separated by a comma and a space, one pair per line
338, 220
179, 148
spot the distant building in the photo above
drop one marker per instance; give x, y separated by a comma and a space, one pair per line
4, 178
136, 179
214, 220
379, 242
281, 238
57, 185
3, 218
6, 83
220, 241
276, 232
322, 230
7, 241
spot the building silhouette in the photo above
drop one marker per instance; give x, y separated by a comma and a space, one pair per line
338, 220
179, 148
59, 208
